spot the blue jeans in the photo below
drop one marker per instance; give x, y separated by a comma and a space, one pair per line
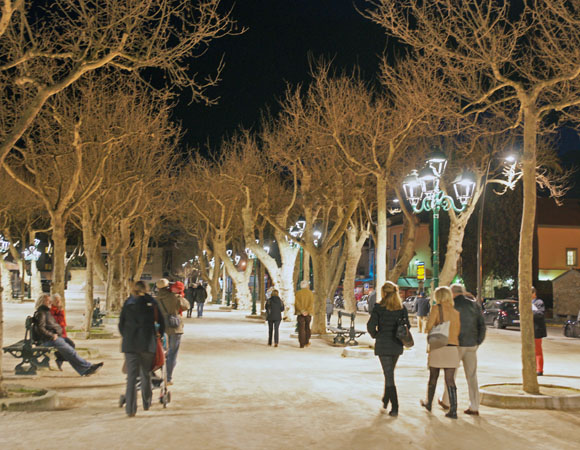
174, 342
69, 354
200, 309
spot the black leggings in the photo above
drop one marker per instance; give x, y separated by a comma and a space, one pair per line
389, 362
449, 376
273, 325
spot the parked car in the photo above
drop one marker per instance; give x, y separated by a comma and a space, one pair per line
572, 327
363, 304
501, 313
409, 303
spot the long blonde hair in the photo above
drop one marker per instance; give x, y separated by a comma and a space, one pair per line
443, 295
390, 297
40, 300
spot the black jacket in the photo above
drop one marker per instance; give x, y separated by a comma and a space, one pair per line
382, 326
137, 324
45, 326
539, 321
199, 294
472, 324
422, 306
274, 308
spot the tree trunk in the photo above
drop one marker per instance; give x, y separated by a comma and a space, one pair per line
454, 248
407, 250
530, 380
5, 282
381, 248
58, 256
283, 277
241, 282
2, 390
90, 250
319, 265
353, 254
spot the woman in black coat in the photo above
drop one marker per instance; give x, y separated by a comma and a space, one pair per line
274, 308
382, 326
137, 326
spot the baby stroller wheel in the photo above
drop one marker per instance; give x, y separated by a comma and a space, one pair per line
121, 401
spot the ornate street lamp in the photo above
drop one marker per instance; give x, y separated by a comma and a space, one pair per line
423, 188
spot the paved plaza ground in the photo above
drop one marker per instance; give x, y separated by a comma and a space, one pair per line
233, 392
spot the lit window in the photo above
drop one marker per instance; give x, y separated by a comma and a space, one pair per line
571, 256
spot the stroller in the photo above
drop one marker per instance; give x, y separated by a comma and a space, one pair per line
158, 381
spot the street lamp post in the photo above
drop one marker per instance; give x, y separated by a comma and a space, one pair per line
423, 188
32, 255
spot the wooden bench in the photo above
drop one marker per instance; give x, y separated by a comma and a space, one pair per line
33, 356
342, 333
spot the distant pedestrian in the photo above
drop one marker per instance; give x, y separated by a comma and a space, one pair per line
471, 337
200, 296
304, 308
58, 313
138, 332
48, 332
190, 295
446, 358
171, 304
540, 332
382, 326
422, 308
329, 310
274, 308
372, 300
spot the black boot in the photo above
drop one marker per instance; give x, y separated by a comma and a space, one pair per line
394, 401
430, 395
386, 398
452, 414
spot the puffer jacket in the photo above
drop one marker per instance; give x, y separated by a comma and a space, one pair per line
45, 326
382, 326
274, 308
137, 324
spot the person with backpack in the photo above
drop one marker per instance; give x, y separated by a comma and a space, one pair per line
274, 308
48, 333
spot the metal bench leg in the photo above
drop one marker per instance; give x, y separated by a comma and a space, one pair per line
42, 364
21, 368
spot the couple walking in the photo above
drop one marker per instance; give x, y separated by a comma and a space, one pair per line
466, 333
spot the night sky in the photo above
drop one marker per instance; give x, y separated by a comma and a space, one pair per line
282, 36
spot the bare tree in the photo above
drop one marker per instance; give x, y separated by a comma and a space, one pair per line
524, 62
40, 57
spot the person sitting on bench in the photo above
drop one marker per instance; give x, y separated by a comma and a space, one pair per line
49, 333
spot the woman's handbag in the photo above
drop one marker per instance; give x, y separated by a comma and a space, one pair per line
439, 335
172, 320
403, 331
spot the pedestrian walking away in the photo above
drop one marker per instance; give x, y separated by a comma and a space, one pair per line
540, 332
190, 295
446, 358
304, 308
274, 308
200, 297
372, 300
138, 333
171, 304
422, 308
382, 326
48, 332
471, 337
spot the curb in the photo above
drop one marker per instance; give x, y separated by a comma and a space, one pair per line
45, 400
358, 352
529, 401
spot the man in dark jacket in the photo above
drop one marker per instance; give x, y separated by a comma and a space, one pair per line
49, 333
200, 296
190, 296
422, 308
372, 300
471, 336
137, 327
540, 332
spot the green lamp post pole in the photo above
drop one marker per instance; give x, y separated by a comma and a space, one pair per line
423, 188
255, 290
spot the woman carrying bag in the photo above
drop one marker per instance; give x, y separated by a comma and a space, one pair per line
447, 356
382, 326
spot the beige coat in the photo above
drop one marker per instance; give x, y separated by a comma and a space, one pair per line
170, 303
449, 314
304, 302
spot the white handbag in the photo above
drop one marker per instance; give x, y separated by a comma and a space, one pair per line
438, 337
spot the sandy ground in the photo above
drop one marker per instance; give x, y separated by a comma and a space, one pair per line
233, 392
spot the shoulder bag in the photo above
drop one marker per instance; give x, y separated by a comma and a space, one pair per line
172, 320
439, 335
403, 331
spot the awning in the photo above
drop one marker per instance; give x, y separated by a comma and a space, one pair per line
411, 283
